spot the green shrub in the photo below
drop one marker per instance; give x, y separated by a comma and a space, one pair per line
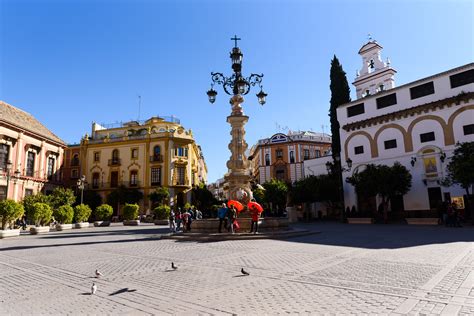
187, 206
29, 200
130, 211
64, 214
103, 212
162, 212
10, 211
82, 213
40, 214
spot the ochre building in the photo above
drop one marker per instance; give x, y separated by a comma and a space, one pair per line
138, 155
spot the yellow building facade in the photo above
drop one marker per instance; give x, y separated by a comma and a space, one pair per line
144, 156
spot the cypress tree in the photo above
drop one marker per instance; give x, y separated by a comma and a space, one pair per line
340, 94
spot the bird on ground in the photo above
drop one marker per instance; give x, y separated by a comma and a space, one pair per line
173, 266
98, 273
244, 272
93, 288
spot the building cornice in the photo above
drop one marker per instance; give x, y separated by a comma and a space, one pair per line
406, 85
33, 134
416, 110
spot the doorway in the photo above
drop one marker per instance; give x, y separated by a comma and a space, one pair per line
435, 197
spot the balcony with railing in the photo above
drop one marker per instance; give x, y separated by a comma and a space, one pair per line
74, 162
156, 158
112, 185
114, 162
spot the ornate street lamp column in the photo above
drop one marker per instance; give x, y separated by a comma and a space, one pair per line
239, 175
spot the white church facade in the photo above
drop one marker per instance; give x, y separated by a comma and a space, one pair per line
416, 124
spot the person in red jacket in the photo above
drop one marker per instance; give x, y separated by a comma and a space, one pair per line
255, 216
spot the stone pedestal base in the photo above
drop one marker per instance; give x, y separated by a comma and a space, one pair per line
134, 222
63, 226
39, 230
264, 224
292, 214
81, 225
101, 223
422, 221
360, 220
9, 233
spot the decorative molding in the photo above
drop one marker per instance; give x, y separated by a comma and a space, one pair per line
416, 110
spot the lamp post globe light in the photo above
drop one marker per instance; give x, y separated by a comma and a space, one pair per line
239, 176
8, 175
80, 185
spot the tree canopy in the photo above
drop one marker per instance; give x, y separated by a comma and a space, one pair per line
382, 180
61, 196
460, 169
159, 195
320, 188
340, 94
203, 198
122, 195
275, 193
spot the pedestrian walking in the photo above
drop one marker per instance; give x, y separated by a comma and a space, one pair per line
255, 217
172, 221
222, 215
232, 215
179, 219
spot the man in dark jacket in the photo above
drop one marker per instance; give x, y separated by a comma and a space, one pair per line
222, 215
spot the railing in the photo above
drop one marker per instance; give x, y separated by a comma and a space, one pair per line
115, 162
156, 158
133, 184
110, 185
171, 119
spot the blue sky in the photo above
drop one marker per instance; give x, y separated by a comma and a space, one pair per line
73, 62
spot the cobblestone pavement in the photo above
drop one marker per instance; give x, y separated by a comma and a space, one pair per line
346, 269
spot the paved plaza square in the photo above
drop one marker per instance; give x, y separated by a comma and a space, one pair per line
343, 269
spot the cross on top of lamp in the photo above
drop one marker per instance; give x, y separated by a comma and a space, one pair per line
236, 84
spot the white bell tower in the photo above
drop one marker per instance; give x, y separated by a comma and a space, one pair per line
375, 75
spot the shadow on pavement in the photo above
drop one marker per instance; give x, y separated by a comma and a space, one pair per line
382, 236
106, 233
124, 290
80, 243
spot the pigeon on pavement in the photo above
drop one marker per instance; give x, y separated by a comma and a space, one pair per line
98, 273
244, 272
93, 288
173, 266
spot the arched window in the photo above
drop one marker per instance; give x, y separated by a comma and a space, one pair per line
156, 150
115, 157
292, 156
156, 153
115, 154
75, 160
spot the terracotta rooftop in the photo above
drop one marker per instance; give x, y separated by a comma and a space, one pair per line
26, 121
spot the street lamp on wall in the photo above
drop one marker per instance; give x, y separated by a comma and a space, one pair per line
80, 185
349, 164
442, 156
8, 169
412, 161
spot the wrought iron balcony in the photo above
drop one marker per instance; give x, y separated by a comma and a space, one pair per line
115, 162
156, 158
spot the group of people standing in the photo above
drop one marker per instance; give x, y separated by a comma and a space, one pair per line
450, 215
181, 220
228, 217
